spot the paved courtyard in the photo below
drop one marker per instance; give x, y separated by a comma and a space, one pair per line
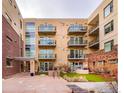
23, 83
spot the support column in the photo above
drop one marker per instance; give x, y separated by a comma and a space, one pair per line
24, 66
32, 67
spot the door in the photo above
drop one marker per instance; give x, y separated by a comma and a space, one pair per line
46, 66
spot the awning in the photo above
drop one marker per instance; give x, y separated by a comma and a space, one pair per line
22, 58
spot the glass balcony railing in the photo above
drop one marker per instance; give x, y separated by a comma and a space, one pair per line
92, 30
77, 43
47, 29
94, 42
76, 56
47, 56
47, 43
77, 29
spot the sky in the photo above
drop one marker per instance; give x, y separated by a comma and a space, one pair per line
57, 8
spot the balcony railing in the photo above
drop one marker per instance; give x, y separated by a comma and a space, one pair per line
94, 42
75, 43
47, 31
47, 43
80, 30
47, 56
76, 57
93, 30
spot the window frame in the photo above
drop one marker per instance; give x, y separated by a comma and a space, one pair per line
10, 1
112, 43
111, 9
7, 59
111, 27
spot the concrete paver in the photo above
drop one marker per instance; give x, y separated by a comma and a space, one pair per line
37, 84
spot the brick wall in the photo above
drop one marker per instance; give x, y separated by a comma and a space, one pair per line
106, 57
11, 49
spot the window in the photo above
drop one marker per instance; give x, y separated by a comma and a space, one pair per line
109, 27
114, 61
108, 9
30, 38
30, 27
10, 1
15, 6
108, 46
76, 53
21, 51
8, 17
14, 23
8, 39
9, 46
20, 24
30, 50
101, 62
8, 62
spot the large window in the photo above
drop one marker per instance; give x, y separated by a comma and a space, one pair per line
101, 62
8, 62
46, 53
109, 27
8, 17
30, 50
21, 24
76, 53
30, 27
108, 46
108, 9
30, 38
76, 40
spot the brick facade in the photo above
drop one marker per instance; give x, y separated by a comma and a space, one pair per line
10, 48
107, 58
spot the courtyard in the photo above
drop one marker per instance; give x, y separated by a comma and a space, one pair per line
24, 83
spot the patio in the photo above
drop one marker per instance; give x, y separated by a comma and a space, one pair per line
24, 83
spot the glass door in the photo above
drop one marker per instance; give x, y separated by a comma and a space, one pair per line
46, 66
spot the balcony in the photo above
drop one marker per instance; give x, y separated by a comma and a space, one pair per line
47, 56
76, 57
47, 31
73, 43
94, 31
94, 43
72, 31
47, 43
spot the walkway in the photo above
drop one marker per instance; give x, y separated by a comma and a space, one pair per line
23, 83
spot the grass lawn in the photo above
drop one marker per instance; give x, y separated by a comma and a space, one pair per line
89, 77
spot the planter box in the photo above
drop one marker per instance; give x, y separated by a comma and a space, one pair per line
81, 71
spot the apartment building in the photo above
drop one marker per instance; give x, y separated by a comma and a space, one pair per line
12, 38
103, 37
56, 42
87, 44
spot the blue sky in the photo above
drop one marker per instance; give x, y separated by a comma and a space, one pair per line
57, 8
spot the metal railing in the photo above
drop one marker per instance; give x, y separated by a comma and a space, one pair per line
93, 42
73, 42
93, 30
47, 56
74, 56
47, 43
